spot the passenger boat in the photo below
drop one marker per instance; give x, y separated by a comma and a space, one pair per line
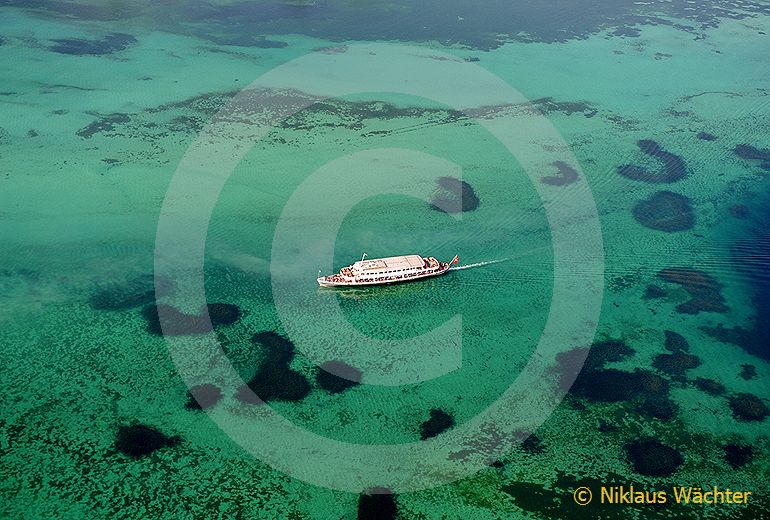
384, 271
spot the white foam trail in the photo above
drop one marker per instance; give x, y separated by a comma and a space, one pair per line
478, 264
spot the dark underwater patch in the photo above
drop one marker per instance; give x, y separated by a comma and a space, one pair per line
533, 445
203, 397
738, 456
740, 211
658, 408
336, 376
612, 385
705, 136
607, 351
653, 292
139, 440
751, 153
278, 383
132, 293
379, 504
748, 372
567, 175
549, 105
676, 364
750, 253
109, 44
705, 292
104, 124
652, 458
454, 196
709, 386
487, 26
665, 211
674, 167
439, 422
274, 379
165, 320
675, 342
748, 407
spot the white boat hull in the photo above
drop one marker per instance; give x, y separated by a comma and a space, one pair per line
325, 281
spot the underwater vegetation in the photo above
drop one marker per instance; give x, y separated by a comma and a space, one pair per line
653, 458
705, 292
755, 155
106, 123
748, 407
675, 342
738, 456
274, 379
676, 364
665, 211
750, 254
336, 376
108, 44
439, 422
132, 293
567, 175
203, 397
163, 319
138, 440
709, 386
613, 385
454, 196
380, 504
673, 166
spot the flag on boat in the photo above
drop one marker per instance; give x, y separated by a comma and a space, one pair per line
455, 260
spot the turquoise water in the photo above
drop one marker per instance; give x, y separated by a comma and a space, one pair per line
102, 103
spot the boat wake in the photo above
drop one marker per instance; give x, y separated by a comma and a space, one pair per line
478, 264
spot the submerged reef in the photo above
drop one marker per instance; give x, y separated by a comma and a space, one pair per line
740, 211
336, 376
758, 156
439, 422
164, 319
567, 175
378, 504
132, 293
676, 364
606, 351
274, 379
277, 349
454, 196
709, 386
658, 408
612, 385
748, 407
533, 445
675, 342
705, 292
109, 44
748, 372
203, 397
138, 440
674, 167
653, 292
750, 253
103, 124
652, 458
665, 211
738, 456
705, 136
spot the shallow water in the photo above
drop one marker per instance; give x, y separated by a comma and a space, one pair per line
101, 102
